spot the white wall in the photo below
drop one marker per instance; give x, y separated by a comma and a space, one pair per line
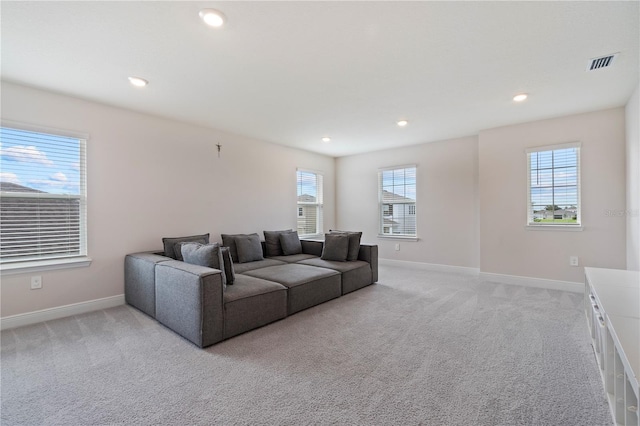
632, 113
506, 246
150, 177
447, 182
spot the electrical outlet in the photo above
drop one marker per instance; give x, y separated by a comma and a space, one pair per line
573, 261
397, 247
36, 282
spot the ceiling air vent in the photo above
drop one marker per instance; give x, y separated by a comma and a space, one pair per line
601, 62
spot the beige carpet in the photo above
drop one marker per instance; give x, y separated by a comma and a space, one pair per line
417, 348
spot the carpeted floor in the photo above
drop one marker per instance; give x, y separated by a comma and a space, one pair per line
419, 347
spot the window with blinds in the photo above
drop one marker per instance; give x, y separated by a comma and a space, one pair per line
554, 185
397, 201
309, 188
42, 197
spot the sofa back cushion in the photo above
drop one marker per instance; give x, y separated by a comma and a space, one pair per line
249, 248
354, 242
273, 247
170, 242
229, 240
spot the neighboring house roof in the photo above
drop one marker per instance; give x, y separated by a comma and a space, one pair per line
389, 221
390, 198
14, 187
306, 198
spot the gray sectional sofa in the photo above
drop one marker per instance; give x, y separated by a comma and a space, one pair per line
194, 301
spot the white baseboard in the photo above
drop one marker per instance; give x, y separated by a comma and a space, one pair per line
533, 282
430, 266
28, 318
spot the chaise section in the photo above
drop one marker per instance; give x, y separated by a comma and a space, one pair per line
355, 274
307, 285
140, 280
251, 303
189, 301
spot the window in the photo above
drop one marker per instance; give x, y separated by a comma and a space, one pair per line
554, 185
397, 201
309, 186
42, 199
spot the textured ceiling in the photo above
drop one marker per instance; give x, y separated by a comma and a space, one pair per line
293, 72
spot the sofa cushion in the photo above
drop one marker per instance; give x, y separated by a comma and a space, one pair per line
294, 258
170, 242
249, 248
308, 285
335, 265
354, 243
252, 303
208, 255
228, 265
272, 242
290, 243
241, 268
336, 247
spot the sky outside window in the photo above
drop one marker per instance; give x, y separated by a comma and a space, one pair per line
48, 163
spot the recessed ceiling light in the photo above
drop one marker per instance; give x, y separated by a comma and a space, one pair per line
138, 82
402, 123
326, 139
212, 17
521, 97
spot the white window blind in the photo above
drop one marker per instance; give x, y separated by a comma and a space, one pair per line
309, 189
397, 201
553, 187
42, 196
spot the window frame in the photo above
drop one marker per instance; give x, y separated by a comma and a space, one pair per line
319, 203
559, 226
381, 205
81, 259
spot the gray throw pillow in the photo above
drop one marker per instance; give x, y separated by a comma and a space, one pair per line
228, 265
169, 244
354, 242
336, 247
209, 255
273, 247
290, 243
249, 248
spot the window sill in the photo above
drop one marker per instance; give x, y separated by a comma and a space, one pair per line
570, 228
44, 265
398, 237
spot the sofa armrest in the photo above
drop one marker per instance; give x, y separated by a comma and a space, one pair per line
313, 247
189, 301
140, 280
369, 253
